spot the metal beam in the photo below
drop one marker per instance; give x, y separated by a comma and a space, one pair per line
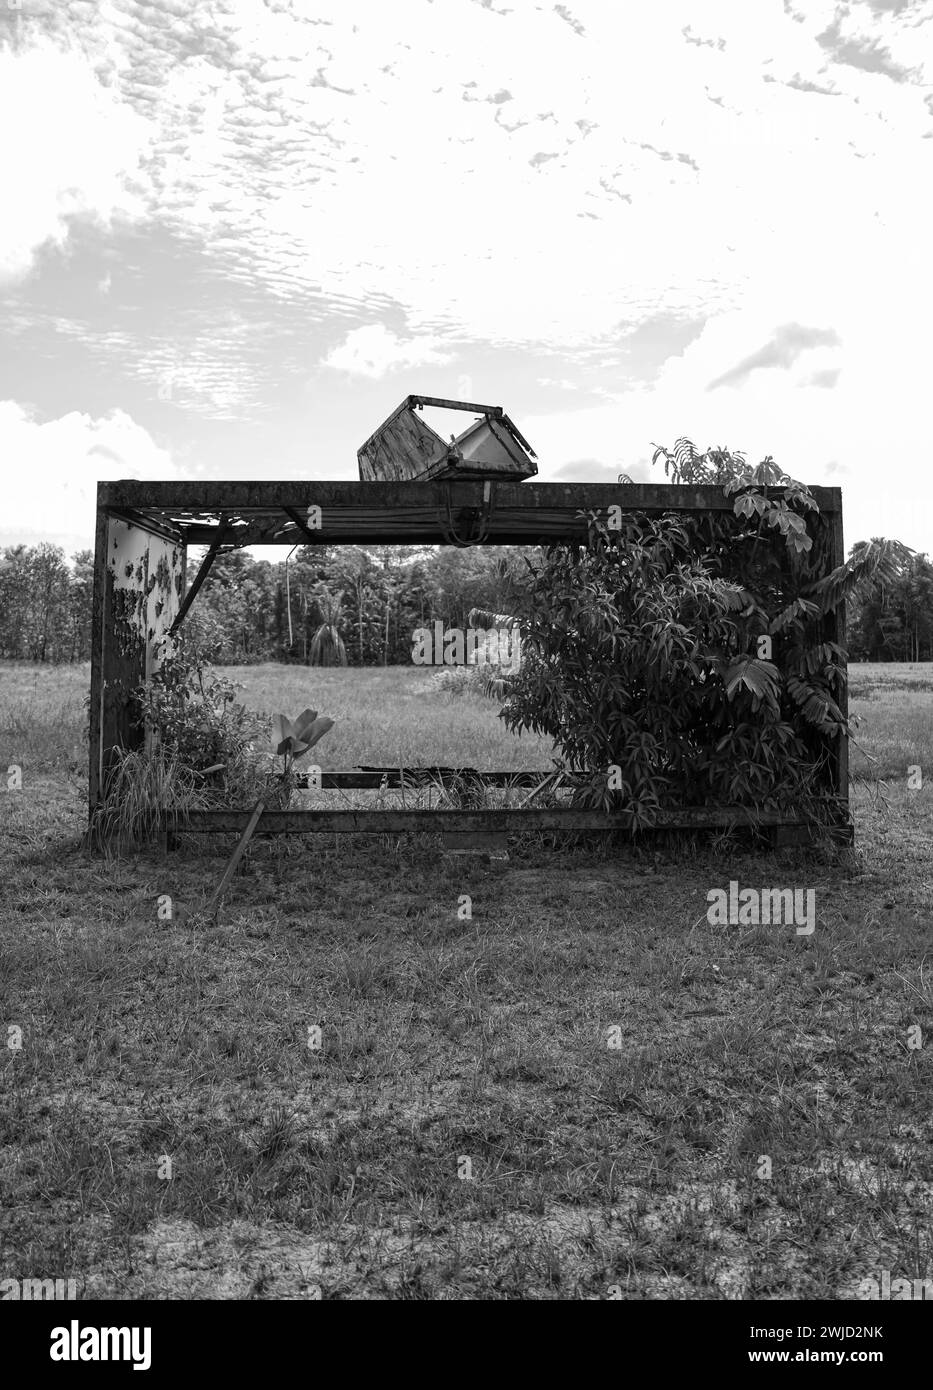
564, 499
468, 822
394, 777
199, 578
157, 526
299, 521
445, 404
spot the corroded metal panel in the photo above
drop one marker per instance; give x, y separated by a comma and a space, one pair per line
487, 446
139, 581
403, 448
406, 448
165, 582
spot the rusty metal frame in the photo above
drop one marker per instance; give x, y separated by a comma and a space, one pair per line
204, 570
167, 517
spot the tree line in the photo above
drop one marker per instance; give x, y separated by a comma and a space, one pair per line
370, 599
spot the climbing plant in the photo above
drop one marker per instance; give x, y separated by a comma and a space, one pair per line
688, 659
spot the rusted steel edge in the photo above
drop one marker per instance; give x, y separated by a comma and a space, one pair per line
395, 777
156, 525
298, 521
236, 497
192, 592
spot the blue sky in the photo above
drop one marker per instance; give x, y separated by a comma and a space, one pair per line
236, 234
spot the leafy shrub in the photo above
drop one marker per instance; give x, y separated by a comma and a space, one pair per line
455, 680
193, 713
638, 657
644, 649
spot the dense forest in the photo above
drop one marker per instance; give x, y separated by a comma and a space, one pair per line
251, 610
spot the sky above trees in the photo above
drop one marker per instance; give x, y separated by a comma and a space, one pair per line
235, 235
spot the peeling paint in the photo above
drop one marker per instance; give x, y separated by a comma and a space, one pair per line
142, 593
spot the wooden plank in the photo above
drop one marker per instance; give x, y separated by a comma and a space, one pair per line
236, 856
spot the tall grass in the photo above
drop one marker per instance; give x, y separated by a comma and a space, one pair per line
139, 789
393, 716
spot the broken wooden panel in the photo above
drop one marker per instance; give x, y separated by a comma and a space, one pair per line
405, 448
138, 584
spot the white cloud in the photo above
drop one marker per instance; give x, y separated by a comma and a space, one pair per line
50, 487
635, 165
864, 433
69, 148
717, 162
375, 351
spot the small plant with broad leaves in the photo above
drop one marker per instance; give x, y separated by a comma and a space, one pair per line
292, 740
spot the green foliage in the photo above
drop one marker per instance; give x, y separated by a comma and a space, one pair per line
193, 713
455, 680
45, 606
693, 654
140, 787
891, 616
293, 740
683, 464
327, 647
638, 657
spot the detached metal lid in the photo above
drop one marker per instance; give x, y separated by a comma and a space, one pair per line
405, 448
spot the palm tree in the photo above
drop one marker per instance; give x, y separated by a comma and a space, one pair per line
327, 647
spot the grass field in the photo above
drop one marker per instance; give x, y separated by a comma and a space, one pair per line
170, 1127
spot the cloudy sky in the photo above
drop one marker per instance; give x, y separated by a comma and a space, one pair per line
236, 233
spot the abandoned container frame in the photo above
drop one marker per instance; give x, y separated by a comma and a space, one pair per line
141, 596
